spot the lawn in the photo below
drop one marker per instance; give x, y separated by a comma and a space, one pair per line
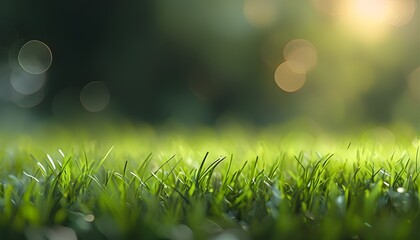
226, 183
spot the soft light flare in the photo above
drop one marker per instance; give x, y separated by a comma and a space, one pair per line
369, 19
370, 11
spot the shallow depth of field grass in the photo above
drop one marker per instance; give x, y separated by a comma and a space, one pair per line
232, 183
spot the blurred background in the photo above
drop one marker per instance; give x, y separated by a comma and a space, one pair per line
334, 63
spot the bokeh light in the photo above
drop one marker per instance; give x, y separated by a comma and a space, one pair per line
21, 88
301, 55
26, 83
28, 101
261, 13
220, 57
401, 11
35, 57
287, 78
95, 96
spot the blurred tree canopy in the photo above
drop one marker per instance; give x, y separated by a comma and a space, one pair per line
207, 61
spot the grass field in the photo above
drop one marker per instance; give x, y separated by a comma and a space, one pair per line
225, 184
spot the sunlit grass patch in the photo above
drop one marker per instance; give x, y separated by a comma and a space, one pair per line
207, 184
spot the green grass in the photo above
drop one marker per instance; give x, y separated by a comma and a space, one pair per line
231, 183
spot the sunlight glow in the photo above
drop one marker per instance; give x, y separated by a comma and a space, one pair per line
370, 11
369, 19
